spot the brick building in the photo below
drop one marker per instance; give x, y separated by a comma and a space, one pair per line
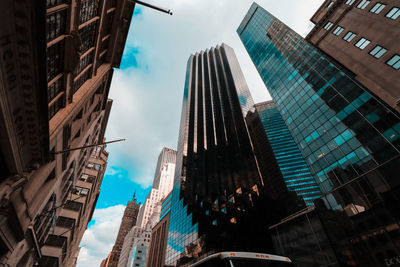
363, 36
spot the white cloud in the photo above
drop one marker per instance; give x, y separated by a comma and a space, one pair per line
99, 239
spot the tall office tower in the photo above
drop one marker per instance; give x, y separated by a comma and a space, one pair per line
162, 184
142, 242
221, 199
159, 236
57, 59
128, 221
295, 170
139, 235
349, 138
363, 36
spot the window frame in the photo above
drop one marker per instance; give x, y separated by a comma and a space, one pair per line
353, 35
338, 30
377, 52
396, 57
397, 12
362, 43
363, 4
377, 9
328, 25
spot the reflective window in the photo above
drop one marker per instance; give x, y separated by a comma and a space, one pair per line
362, 43
349, 36
377, 8
82, 79
394, 62
330, 4
84, 62
350, 2
328, 25
338, 30
88, 10
55, 60
56, 106
363, 4
55, 24
55, 88
88, 36
378, 51
394, 13
53, 3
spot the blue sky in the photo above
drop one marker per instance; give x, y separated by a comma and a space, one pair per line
147, 92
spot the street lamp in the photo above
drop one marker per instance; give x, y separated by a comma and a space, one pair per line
151, 6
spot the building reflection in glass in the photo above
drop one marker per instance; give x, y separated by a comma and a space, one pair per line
350, 140
228, 187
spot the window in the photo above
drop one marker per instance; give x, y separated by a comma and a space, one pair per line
81, 191
88, 10
378, 51
87, 35
394, 62
56, 106
377, 8
90, 165
363, 4
394, 13
84, 62
349, 36
338, 31
55, 88
55, 60
330, 4
328, 25
362, 43
349, 2
82, 79
55, 24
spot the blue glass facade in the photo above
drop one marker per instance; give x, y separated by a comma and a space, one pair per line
348, 136
295, 171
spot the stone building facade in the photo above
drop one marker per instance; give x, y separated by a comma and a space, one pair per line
56, 64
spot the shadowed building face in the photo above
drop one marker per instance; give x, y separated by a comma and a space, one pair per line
226, 180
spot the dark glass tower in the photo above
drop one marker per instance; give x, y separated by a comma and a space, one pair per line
295, 171
227, 185
348, 136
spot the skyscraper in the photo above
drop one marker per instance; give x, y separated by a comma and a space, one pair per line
138, 238
295, 171
128, 221
349, 138
56, 65
221, 187
363, 37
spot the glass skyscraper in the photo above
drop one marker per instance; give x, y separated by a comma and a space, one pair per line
295, 171
349, 138
228, 187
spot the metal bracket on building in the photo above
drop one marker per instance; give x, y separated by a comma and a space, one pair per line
168, 11
83, 147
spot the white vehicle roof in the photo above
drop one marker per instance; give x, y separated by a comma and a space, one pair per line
246, 255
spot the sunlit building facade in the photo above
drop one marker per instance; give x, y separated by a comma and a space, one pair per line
349, 138
225, 177
56, 66
295, 171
